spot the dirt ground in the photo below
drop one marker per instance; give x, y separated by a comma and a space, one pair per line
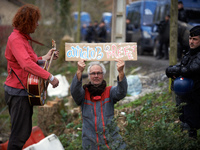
151, 73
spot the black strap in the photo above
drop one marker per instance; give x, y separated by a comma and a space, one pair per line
11, 70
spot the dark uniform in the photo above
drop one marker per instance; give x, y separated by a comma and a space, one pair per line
189, 68
163, 29
102, 33
182, 16
90, 33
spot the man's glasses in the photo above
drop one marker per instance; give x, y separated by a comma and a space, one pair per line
96, 73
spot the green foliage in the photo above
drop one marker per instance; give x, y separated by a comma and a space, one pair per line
154, 126
76, 141
64, 115
114, 140
131, 70
51, 127
78, 125
70, 125
161, 84
71, 138
64, 9
68, 68
2, 99
35, 116
135, 103
71, 141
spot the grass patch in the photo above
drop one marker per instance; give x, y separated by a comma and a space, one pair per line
35, 116
154, 126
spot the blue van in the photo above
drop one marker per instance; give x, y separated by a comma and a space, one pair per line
85, 18
145, 14
192, 8
107, 18
85, 21
141, 15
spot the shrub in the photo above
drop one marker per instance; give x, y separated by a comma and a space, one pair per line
154, 127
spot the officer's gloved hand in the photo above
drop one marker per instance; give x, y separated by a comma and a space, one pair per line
173, 71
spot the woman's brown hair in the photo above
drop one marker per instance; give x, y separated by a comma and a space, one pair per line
26, 18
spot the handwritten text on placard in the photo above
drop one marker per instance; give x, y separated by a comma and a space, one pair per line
100, 51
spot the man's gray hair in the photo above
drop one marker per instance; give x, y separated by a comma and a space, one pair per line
96, 63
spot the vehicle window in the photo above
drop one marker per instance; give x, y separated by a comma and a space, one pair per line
164, 10
134, 14
192, 8
161, 11
149, 9
157, 14
193, 16
195, 4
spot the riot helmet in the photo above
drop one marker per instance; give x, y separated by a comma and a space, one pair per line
182, 86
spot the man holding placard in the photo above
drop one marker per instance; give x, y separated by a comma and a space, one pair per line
97, 104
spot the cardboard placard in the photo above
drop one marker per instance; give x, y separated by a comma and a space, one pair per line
100, 51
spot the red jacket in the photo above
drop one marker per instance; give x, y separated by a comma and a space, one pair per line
22, 59
98, 105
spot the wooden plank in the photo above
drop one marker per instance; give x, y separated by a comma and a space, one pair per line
100, 51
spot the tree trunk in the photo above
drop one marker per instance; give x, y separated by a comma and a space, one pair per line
173, 37
79, 22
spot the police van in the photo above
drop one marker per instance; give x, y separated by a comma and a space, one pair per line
85, 21
146, 14
192, 9
141, 15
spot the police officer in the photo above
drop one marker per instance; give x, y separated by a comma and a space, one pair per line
182, 16
189, 68
163, 29
90, 33
102, 33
